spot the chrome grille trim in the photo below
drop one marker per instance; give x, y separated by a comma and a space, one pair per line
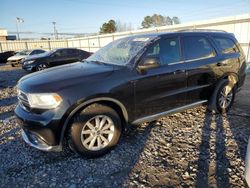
23, 100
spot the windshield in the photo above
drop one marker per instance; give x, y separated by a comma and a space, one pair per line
120, 51
24, 52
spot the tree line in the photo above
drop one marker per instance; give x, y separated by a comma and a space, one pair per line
155, 20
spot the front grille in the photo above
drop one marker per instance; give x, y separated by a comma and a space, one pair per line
23, 100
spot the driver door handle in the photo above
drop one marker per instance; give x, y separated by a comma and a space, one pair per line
179, 71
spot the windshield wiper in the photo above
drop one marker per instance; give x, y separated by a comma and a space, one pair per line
95, 61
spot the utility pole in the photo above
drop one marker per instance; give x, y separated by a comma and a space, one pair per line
18, 20
55, 31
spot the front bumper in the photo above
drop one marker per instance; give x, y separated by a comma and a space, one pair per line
13, 62
28, 67
38, 143
42, 131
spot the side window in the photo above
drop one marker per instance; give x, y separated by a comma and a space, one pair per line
197, 48
64, 53
33, 52
168, 51
226, 45
72, 52
60, 53
39, 51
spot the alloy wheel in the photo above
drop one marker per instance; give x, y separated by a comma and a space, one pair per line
226, 97
97, 132
41, 67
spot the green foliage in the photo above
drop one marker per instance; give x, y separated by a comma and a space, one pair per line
159, 20
108, 27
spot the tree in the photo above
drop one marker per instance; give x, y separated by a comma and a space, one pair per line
176, 20
120, 26
147, 22
108, 27
158, 20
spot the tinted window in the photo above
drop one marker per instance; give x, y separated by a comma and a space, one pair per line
60, 53
72, 52
36, 52
168, 50
226, 45
197, 47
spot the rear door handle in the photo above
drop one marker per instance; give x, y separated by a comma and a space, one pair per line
221, 64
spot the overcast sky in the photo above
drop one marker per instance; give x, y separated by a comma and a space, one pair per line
86, 16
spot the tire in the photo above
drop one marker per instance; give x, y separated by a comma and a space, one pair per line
41, 66
85, 126
216, 101
13, 65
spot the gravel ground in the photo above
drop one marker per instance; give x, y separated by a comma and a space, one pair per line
193, 148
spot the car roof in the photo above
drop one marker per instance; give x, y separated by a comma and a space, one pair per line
189, 31
66, 49
38, 49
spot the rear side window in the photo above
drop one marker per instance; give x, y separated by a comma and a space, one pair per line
226, 45
168, 50
197, 48
72, 52
36, 52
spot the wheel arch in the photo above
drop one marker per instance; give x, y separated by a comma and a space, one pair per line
111, 102
231, 77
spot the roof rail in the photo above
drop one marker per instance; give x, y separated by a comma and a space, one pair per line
202, 30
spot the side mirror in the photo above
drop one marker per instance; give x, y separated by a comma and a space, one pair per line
149, 62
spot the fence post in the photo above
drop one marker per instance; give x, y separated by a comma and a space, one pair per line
88, 44
67, 43
7, 46
1, 49
49, 44
26, 45
99, 43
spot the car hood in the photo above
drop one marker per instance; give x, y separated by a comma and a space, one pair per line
57, 78
16, 57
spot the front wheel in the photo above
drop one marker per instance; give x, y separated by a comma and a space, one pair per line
223, 97
41, 66
95, 131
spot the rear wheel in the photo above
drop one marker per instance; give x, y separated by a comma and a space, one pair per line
223, 97
95, 131
41, 66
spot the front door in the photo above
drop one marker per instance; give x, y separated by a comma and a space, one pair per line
59, 57
162, 88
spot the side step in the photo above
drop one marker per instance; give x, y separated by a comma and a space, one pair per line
175, 110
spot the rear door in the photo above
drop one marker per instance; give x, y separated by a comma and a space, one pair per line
201, 60
73, 55
163, 88
59, 57
229, 53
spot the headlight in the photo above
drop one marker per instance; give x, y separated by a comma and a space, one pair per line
28, 62
44, 100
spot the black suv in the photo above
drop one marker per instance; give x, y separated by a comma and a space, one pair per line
131, 80
53, 58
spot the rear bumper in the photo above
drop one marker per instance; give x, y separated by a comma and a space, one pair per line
241, 81
247, 172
